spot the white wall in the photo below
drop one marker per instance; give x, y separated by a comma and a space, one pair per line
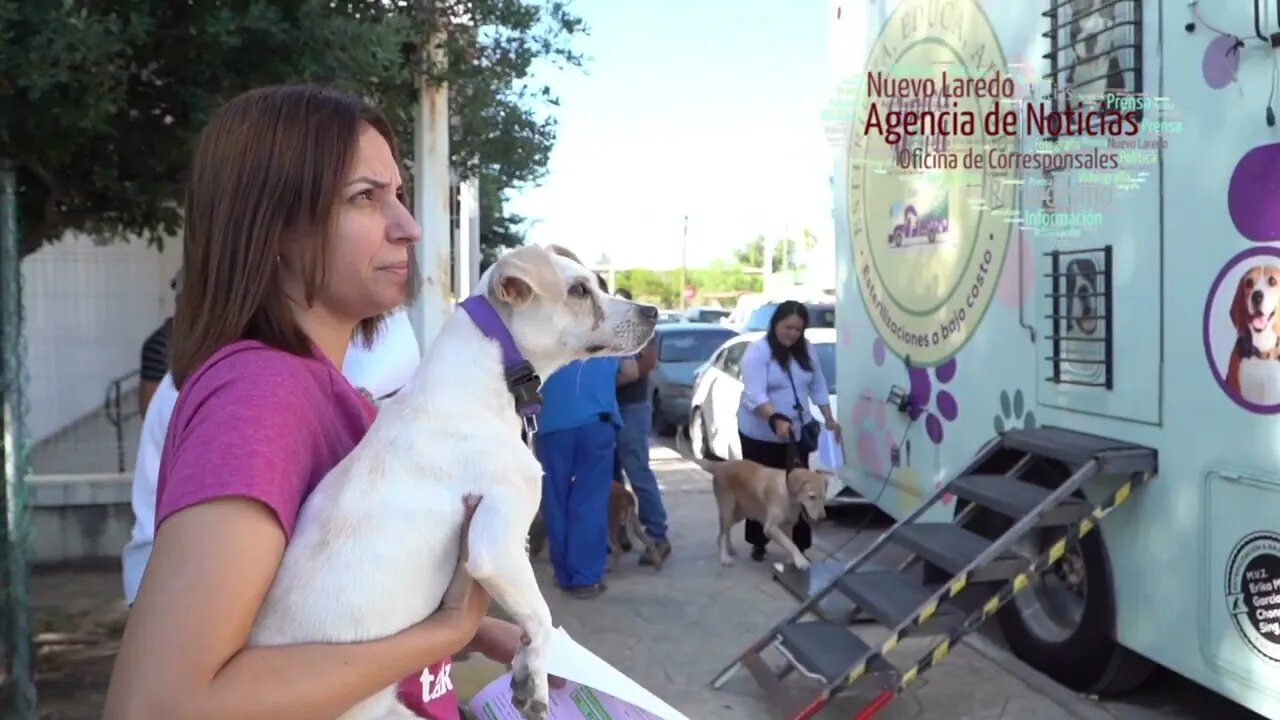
88, 309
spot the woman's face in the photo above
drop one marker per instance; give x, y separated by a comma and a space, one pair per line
368, 252
789, 330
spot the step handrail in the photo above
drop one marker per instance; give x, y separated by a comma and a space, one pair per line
961, 579
816, 596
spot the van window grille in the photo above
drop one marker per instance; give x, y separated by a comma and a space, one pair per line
1082, 317
1095, 52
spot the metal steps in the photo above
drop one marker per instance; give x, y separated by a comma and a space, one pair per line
1014, 498
889, 597
954, 549
830, 652
821, 649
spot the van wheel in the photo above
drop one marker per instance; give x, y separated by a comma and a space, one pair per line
1062, 624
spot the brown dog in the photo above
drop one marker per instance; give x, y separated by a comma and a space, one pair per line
1254, 317
624, 514
746, 489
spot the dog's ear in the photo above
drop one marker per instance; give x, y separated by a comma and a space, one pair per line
524, 273
1239, 309
797, 480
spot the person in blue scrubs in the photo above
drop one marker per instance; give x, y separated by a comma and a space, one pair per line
576, 439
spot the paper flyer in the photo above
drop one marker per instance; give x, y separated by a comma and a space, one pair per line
594, 690
830, 454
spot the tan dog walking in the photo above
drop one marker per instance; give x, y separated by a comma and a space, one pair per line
772, 497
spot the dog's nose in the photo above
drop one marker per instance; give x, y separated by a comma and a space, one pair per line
1256, 297
650, 312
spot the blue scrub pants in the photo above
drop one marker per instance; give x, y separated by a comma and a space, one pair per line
633, 456
577, 466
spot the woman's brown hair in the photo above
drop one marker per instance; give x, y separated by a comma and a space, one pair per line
265, 174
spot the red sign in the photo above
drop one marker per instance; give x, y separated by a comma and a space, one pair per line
689, 292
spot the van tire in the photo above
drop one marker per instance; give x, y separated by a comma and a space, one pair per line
1088, 660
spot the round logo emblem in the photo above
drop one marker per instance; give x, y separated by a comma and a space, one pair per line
1253, 592
929, 231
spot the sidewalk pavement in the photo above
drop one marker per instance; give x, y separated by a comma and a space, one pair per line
671, 631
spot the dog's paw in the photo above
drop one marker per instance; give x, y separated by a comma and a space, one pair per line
530, 697
802, 562
726, 561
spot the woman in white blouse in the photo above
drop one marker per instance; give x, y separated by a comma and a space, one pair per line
781, 376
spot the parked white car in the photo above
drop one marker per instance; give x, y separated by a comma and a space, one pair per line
717, 391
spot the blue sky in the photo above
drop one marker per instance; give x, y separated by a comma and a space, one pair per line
705, 107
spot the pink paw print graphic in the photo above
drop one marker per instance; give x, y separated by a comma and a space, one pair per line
874, 443
938, 408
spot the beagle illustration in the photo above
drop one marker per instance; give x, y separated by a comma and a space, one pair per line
1253, 372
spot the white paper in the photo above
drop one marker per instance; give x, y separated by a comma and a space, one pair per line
571, 702
830, 454
584, 672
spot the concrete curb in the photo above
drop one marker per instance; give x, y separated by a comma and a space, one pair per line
1074, 703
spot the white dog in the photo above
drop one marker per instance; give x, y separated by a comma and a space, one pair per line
452, 431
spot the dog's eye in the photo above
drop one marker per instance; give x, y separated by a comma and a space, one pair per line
1271, 280
578, 290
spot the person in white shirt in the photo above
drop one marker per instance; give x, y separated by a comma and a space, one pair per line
386, 366
379, 370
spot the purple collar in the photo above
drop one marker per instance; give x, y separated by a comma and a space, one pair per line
522, 381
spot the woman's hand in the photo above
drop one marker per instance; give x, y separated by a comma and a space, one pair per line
834, 427
782, 428
465, 602
499, 641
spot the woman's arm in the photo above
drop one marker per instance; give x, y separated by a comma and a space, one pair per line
755, 379
628, 371
648, 357
183, 654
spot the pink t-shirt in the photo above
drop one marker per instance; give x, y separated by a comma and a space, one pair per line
260, 423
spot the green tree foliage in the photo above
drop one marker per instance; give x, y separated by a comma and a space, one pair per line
789, 253
662, 287
101, 100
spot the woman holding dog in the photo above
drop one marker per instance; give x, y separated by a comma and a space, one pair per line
780, 377
296, 239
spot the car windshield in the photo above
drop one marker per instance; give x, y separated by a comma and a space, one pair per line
709, 315
683, 347
820, 316
826, 353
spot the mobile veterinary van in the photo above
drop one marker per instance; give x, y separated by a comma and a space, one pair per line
1085, 374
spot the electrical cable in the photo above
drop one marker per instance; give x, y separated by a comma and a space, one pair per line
1238, 42
884, 485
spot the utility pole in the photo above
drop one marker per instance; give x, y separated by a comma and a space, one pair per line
431, 184
684, 263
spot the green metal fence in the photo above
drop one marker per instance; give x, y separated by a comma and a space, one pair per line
17, 683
